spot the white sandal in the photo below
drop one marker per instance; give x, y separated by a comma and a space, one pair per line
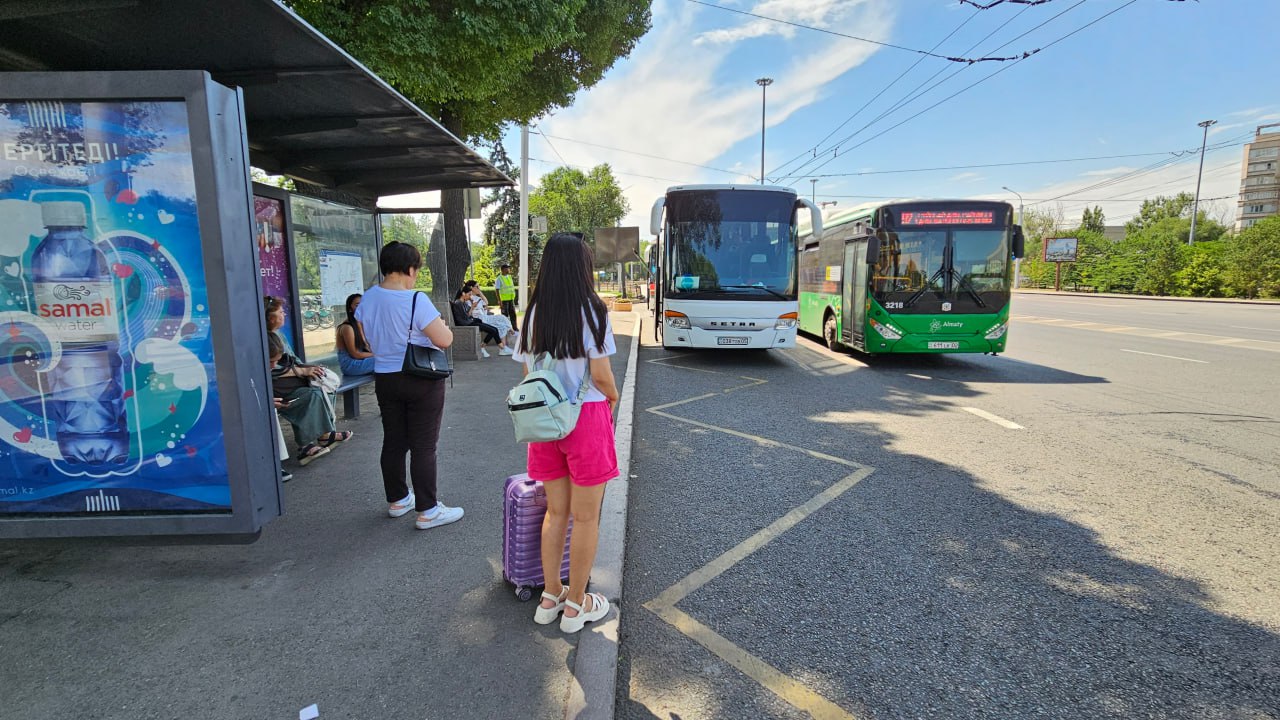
548, 615
599, 608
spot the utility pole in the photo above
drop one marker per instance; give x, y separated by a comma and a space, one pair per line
1195, 208
764, 84
813, 191
523, 297
1017, 262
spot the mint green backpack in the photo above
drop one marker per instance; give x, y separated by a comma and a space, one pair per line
540, 408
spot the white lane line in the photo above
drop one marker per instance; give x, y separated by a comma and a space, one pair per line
1246, 327
922, 377
1171, 357
993, 418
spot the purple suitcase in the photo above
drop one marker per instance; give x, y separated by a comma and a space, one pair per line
523, 507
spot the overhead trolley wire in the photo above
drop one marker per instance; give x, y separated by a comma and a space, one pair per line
646, 155
925, 53
883, 90
972, 85
915, 93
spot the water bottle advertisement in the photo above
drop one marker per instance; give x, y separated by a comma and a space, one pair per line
107, 398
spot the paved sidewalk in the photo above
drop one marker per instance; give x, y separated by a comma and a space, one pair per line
336, 604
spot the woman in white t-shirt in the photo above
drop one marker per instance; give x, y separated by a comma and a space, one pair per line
393, 314
569, 322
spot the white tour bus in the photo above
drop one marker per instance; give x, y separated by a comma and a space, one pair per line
724, 265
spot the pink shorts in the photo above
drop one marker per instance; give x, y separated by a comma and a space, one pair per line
586, 456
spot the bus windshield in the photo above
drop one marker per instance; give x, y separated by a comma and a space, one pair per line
726, 244
967, 269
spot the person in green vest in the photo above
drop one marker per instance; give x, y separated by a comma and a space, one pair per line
506, 287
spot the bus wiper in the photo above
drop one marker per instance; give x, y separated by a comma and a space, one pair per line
767, 288
966, 286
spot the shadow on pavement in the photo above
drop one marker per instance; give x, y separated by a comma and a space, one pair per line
918, 592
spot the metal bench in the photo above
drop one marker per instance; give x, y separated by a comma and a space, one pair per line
349, 389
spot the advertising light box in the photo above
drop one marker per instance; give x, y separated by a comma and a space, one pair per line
129, 404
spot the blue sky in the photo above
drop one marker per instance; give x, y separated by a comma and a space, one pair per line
1136, 81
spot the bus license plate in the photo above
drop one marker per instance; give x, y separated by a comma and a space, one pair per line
944, 346
733, 341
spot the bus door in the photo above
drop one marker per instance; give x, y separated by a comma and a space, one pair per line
853, 300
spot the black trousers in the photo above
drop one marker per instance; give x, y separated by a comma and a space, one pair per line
412, 410
490, 332
509, 309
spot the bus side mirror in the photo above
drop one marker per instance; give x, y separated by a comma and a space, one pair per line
1019, 242
874, 240
655, 216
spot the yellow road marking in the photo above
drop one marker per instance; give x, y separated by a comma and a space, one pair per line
664, 605
1179, 335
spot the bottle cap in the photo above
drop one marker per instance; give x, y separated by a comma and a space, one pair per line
63, 214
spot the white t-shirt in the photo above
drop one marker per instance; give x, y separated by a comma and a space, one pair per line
571, 370
385, 316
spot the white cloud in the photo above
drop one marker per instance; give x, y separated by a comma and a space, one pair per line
696, 115
815, 13
967, 177
1109, 171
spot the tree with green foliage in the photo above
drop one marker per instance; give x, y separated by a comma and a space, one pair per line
1203, 270
1252, 260
1093, 220
502, 220
1158, 208
477, 65
574, 201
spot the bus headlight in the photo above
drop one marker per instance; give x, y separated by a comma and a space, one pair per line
676, 320
998, 331
786, 322
886, 332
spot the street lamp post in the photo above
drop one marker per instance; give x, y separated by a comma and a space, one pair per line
1195, 207
764, 84
1017, 262
813, 190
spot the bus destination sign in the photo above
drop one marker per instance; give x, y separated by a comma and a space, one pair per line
947, 217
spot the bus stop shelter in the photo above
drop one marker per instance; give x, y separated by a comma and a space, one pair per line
78, 75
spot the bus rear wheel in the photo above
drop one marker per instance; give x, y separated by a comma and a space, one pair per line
829, 332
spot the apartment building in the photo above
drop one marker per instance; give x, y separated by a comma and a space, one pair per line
1260, 177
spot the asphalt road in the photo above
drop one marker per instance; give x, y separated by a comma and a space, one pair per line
1083, 527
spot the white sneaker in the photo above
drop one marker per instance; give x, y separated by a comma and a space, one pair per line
484, 353
439, 515
401, 507
506, 351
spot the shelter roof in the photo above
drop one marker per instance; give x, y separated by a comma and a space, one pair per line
313, 111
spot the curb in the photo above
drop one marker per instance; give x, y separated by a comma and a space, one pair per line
1164, 298
593, 689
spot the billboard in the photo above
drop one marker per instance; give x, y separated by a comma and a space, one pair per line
269, 220
1060, 249
114, 312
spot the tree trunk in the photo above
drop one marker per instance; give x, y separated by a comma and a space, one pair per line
457, 249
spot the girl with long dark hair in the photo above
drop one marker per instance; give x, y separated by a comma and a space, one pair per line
567, 321
354, 355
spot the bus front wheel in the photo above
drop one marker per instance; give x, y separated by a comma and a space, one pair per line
829, 332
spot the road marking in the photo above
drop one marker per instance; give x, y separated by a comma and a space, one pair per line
1245, 327
1177, 335
1171, 357
993, 418
922, 377
784, 686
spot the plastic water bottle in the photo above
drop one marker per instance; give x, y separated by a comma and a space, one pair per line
74, 292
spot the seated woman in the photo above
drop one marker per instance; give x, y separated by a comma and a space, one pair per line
304, 405
354, 355
461, 308
480, 311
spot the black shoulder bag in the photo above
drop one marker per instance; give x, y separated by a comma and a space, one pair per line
422, 361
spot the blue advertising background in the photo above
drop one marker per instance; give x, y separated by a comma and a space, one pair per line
129, 165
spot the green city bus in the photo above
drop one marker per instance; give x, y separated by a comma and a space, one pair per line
914, 276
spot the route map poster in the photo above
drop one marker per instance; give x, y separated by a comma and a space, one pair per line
108, 403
